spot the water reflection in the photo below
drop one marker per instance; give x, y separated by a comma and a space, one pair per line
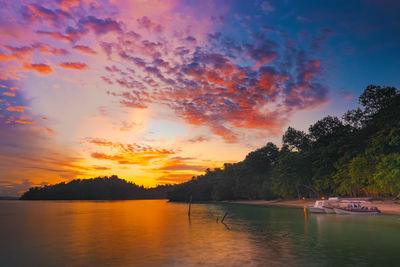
158, 233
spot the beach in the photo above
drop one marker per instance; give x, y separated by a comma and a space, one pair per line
385, 206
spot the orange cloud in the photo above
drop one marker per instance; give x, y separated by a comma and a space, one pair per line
41, 68
101, 168
8, 94
128, 154
5, 57
73, 65
24, 122
142, 158
173, 178
18, 108
127, 148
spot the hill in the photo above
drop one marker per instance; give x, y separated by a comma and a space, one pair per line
357, 155
101, 188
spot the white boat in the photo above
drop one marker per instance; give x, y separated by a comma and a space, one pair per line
330, 204
321, 206
329, 209
356, 209
317, 208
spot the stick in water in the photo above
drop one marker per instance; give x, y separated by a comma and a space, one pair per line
223, 218
190, 204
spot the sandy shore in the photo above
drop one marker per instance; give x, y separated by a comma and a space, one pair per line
386, 206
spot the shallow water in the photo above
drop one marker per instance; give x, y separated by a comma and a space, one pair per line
158, 233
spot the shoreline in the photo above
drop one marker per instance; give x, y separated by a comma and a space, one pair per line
385, 206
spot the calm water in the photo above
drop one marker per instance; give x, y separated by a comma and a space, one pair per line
158, 233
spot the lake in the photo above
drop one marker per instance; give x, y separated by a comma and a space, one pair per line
159, 233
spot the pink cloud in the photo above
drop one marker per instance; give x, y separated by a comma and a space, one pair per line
84, 49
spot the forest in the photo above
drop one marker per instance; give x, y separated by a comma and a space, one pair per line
356, 155
100, 188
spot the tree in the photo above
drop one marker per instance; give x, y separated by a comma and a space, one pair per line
295, 139
292, 176
374, 98
355, 118
323, 129
387, 176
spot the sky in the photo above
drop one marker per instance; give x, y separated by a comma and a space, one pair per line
157, 91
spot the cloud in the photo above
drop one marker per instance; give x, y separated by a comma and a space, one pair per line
18, 108
140, 158
35, 12
170, 178
66, 5
73, 65
209, 88
48, 49
14, 189
101, 26
24, 122
145, 22
8, 93
183, 167
71, 34
84, 49
126, 148
40, 67
101, 168
19, 52
321, 38
128, 154
199, 139
267, 6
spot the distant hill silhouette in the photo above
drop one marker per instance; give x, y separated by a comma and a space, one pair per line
100, 188
8, 198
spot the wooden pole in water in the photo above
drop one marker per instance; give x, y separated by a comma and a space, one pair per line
223, 218
190, 204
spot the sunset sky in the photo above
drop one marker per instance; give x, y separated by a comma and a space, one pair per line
156, 91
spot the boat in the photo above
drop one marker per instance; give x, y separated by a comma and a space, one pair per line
356, 209
324, 206
317, 208
329, 205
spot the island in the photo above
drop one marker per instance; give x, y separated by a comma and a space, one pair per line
100, 188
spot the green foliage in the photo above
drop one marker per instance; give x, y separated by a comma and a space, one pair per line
292, 176
100, 188
387, 174
358, 156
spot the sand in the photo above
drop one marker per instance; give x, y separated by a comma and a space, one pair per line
386, 206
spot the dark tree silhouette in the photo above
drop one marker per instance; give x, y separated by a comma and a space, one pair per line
100, 188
